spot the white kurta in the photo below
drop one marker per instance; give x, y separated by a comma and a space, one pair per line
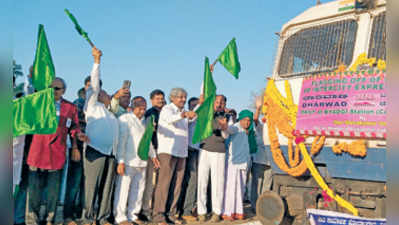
129, 188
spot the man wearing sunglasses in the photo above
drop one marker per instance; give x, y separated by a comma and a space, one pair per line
46, 157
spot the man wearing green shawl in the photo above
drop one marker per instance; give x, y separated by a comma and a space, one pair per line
243, 143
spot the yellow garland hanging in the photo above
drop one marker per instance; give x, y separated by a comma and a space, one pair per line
278, 118
356, 148
309, 163
278, 156
279, 111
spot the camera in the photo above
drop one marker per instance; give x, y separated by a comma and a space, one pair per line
222, 114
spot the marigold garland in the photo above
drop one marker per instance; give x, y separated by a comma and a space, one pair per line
318, 142
356, 148
278, 118
278, 156
316, 175
279, 113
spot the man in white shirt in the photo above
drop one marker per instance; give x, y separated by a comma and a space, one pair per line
99, 161
130, 182
172, 153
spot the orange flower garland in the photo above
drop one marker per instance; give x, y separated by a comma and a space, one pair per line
318, 142
356, 148
276, 118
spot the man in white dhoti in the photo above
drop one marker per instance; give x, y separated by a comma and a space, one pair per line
131, 169
237, 164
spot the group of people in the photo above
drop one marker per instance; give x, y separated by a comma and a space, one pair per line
92, 165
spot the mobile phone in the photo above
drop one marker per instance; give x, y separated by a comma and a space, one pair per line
126, 84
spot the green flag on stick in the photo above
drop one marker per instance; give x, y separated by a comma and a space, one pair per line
144, 145
209, 84
203, 128
229, 58
35, 114
43, 67
78, 27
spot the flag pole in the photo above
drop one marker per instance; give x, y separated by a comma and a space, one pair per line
78, 28
91, 43
212, 66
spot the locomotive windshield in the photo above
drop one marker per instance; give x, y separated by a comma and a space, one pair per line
318, 49
378, 38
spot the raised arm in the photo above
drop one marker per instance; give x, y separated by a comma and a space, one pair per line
94, 90
258, 105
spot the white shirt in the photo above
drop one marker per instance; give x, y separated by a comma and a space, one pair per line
239, 146
102, 126
260, 156
131, 130
172, 132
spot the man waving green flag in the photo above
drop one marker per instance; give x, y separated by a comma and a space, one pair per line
229, 58
203, 127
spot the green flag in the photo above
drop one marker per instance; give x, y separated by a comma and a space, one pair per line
144, 145
203, 128
209, 84
78, 27
35, 114
43, 67
229, 58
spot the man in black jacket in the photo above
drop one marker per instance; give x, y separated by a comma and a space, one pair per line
157, 98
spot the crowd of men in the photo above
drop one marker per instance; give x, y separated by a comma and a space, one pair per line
91, 165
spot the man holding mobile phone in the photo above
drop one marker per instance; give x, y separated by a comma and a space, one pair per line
121, 99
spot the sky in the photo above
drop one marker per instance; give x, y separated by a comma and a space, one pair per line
156, 44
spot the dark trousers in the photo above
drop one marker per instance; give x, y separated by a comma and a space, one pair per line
188, 196
74, 194
261, 181
148, 196
172, 170
99, 176
20, 199
38, 179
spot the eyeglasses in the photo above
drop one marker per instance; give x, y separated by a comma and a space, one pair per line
57, 88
